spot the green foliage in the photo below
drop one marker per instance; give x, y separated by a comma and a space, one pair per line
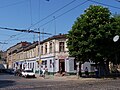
91, 36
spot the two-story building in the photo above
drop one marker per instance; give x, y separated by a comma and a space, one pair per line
51, 53
12, 53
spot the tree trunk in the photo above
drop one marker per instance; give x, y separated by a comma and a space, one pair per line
101, 69
107, 70
80, 74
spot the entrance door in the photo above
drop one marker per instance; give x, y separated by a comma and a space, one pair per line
61, 65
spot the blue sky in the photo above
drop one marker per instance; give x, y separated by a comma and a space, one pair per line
44, 14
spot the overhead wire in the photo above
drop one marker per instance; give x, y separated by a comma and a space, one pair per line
4, 34
12, 36
12, 4
104, 4
117, 0
43, 18
52, 19
52, 14
61, 9
64, 13
76, 7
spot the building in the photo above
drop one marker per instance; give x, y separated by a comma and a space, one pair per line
2, 57
12, 53
53, 54
3, 64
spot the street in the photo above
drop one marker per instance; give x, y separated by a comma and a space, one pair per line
11, 82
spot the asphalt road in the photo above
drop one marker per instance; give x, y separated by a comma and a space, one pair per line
11, 82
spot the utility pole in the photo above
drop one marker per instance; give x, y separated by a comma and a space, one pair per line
31, 31
39, 53
54, 46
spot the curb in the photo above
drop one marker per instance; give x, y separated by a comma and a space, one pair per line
64, 78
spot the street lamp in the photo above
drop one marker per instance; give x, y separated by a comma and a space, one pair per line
115, 39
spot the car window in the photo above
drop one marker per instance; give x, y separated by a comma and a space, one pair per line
28, 71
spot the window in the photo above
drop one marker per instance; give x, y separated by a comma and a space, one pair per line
50, 47
61, 46
50, 63
30, 65
45, 48
41, 49
44, 62
33, 65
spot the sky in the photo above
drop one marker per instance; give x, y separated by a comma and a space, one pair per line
49, 16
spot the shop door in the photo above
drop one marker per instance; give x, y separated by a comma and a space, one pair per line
61, 65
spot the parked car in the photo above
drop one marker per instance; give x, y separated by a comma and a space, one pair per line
28, 73
9, 71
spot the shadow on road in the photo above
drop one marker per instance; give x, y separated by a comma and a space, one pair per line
6, 83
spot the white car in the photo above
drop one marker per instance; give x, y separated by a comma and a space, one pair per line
28, 73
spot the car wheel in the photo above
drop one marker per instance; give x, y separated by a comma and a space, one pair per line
33, 76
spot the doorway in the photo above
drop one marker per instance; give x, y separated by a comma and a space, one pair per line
61, 66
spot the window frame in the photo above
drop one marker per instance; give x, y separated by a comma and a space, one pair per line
61, 46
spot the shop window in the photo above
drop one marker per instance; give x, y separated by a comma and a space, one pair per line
33, 65
44, 62
50, 63
28, 65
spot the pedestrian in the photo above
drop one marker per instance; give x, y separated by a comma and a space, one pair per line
43, 72
86, 72
46, 70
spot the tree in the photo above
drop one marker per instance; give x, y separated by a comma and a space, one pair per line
91, 36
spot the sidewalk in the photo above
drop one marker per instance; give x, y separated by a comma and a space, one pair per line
63, 78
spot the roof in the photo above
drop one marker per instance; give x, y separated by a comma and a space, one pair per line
48, 39
18, 44
55, 37
34, 44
